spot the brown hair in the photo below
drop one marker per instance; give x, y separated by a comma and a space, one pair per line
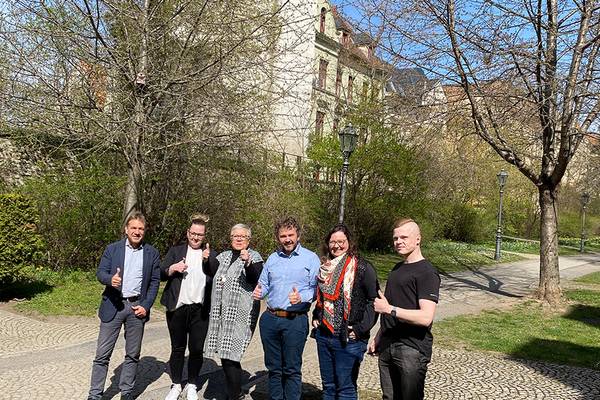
138, 216
352, 248
287, 223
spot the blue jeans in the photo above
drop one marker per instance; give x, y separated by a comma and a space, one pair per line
339, 365
402, 371
283, 341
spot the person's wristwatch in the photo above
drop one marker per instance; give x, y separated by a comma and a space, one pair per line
393, 312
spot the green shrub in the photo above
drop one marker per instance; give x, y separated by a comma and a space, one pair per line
79, 214
461, 222
21, 246
236, 195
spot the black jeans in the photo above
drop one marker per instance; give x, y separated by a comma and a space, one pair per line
187, 325
402, 371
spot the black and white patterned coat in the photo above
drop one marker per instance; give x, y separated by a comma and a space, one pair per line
233, 312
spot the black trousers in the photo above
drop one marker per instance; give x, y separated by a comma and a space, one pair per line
233, 378
187, 325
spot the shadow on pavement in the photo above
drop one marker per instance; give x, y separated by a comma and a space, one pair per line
261, 391
493, 286
149, 370
584, 380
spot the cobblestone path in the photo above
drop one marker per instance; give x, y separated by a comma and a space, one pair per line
52, 360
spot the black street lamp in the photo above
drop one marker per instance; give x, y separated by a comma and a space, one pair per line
502, 177
348, 138
585, 199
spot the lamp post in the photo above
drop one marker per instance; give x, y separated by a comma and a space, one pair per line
502, 176
585, 199
348, 138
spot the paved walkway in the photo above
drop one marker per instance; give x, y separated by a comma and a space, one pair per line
53, 360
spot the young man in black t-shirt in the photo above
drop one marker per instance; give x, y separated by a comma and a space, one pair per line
404, 339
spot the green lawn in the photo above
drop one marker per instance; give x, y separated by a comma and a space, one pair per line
567, 246
446, 256
529, 330
590, 278
66, 293
78, 293
74, 293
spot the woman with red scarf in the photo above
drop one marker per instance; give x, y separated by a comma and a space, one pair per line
344, 314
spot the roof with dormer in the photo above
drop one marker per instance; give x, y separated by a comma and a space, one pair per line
408, 82
340, 22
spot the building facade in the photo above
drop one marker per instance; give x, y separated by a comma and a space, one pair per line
326, 70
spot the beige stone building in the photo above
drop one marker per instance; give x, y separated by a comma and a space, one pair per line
327, 69
347, 70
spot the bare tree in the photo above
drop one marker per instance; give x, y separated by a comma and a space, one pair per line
529, 76
145, 79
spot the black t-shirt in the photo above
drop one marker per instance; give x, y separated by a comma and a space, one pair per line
406, 285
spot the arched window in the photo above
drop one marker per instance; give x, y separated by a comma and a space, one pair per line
322, 21
345, 38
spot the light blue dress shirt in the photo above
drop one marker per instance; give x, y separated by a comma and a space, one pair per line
133, 270
282, 272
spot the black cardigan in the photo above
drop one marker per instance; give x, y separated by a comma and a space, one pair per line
171, 293
362, 314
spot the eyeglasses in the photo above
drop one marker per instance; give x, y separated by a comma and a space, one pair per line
196, 235
239, 237
338, 243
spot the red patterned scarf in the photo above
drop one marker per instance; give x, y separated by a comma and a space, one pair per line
336, 277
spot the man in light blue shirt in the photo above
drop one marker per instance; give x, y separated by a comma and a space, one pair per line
130, 271
288, 280
132, 276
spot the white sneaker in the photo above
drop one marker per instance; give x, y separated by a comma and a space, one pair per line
174, 392
191, 391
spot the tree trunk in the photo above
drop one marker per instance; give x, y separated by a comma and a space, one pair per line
132, 190
549, 286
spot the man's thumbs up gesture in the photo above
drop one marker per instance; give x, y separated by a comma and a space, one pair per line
381, 304
294, 296
116, 279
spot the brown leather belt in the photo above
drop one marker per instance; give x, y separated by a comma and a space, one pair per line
285, 314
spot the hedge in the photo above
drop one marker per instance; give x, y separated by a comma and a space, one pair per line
21, 246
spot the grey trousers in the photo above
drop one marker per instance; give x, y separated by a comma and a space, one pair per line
109, 332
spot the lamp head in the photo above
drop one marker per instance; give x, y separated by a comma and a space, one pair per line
348, 139
502, 177
585, 198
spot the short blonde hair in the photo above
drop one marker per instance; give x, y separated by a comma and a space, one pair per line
403, 221
199, 219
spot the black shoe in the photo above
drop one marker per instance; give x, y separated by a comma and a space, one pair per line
127, 396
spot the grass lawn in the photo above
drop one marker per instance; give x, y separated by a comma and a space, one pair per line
567, 246
569, 335
78, 293
446, 256
591, 278
75, 293
60, 293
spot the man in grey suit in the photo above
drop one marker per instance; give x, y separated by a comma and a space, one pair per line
130, 269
